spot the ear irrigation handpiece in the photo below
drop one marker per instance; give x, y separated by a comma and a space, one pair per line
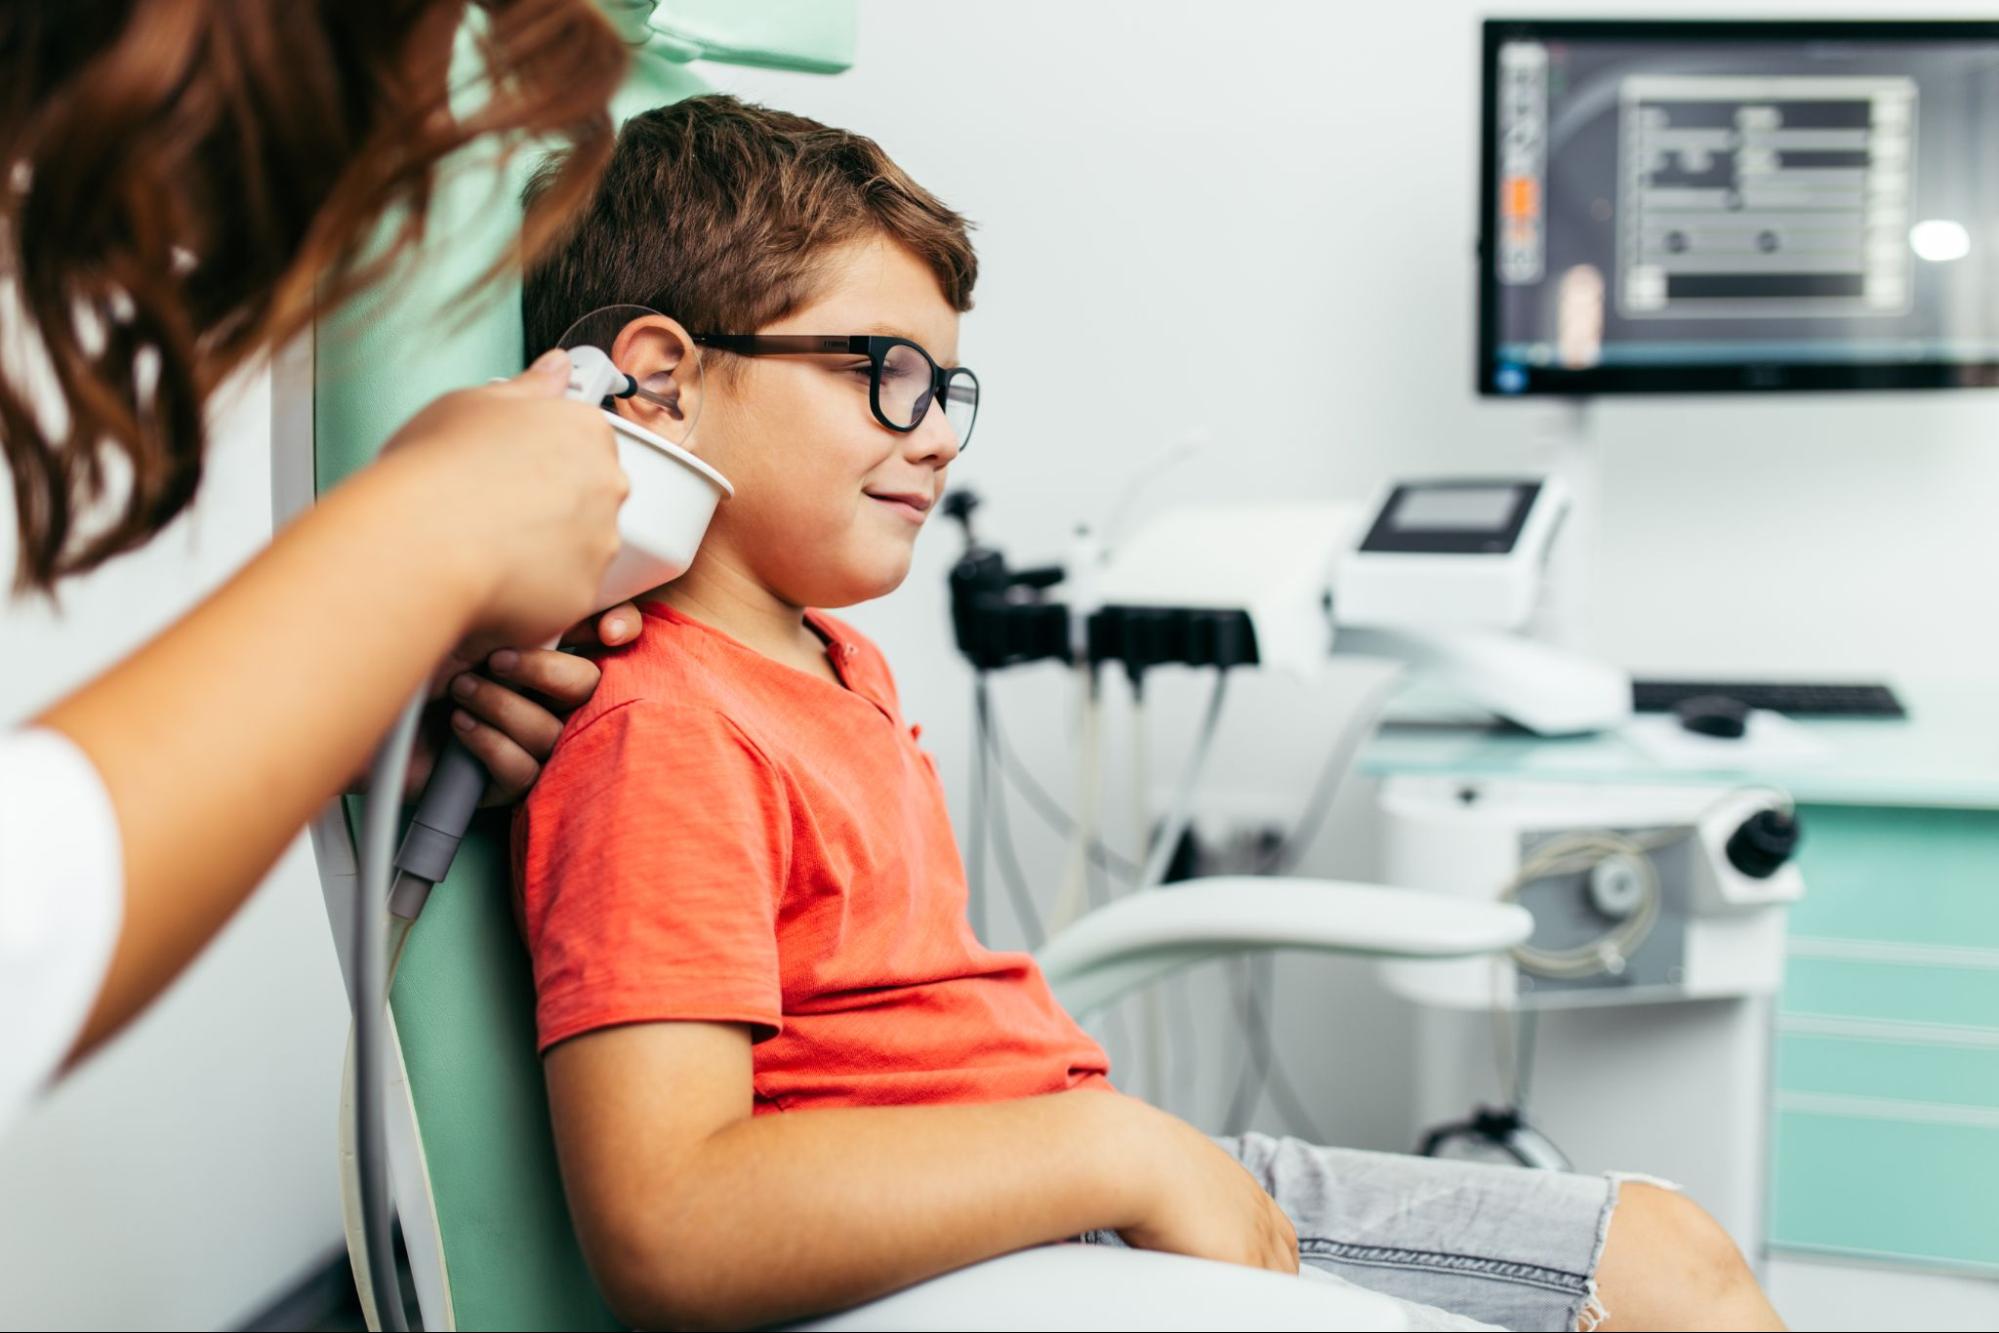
458, 781
673, 494
590, 370
452, 794
633, 389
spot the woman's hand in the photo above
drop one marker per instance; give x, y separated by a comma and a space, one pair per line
491, 523
528, 479
523, 486
510, 713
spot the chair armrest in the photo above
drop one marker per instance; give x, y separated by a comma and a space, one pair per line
1101, 1286
1147, 934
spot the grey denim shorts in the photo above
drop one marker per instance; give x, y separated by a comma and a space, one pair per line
1464, 1245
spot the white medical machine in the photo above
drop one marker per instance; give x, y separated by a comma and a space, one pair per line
1635, 1022
1270, 561
1459, 553
1449, 576
1443, 577
1226, 586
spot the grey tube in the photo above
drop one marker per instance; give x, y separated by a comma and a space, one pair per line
438, 826
370, 999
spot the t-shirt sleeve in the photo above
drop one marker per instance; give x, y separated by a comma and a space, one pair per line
651, 859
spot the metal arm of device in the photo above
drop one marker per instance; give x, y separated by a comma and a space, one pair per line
1546, 689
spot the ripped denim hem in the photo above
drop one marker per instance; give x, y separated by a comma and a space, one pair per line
1590, 1311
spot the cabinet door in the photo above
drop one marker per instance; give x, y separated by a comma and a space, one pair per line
1886, 1131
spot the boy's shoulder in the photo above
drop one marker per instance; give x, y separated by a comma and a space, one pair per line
678, 663
675, 661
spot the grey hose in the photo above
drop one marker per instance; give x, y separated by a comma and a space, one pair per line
370, 997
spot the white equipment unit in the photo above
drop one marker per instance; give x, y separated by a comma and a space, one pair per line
1283, 564
1549, 690
1446, 576
1648, 979
1273, 561
1717, 931
1463, 554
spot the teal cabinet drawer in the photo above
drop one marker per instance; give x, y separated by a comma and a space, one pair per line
1901, 875
1886, 1188
1899, 992
1944, 1074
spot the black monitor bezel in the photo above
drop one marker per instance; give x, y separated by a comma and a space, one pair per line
1749, 377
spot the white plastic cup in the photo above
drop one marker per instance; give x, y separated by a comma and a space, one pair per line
661, 524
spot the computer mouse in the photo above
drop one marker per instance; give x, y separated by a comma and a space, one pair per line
1714, 715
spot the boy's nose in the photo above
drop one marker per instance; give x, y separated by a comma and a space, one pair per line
934, 437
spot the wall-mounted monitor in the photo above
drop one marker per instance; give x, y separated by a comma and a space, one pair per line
1716, 206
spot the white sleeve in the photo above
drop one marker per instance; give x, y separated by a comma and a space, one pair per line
62, 896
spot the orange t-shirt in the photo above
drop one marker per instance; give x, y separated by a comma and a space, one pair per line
720, 837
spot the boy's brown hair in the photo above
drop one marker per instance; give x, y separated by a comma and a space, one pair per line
718, 212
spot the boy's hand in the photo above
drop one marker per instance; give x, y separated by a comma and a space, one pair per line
510, 714
1195, 1199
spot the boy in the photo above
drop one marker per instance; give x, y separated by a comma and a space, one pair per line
784, 1075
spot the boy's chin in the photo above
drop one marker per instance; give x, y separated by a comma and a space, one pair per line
857, 581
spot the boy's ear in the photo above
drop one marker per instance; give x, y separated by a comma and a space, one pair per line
658, 352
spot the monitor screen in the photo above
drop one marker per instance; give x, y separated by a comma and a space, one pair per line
1447, 517
1725, 206
1454, 508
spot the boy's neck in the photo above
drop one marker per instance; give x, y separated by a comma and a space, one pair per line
723, 596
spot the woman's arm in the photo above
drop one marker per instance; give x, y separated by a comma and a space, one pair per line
219, 739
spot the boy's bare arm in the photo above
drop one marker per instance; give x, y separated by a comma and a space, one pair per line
694, 1213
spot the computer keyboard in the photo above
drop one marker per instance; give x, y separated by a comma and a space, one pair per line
1796, 698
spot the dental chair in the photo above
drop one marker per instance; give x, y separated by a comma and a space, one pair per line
471, 1157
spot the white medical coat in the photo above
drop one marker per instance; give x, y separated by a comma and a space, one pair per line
62, 897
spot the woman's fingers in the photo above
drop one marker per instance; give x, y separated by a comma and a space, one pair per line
564, 679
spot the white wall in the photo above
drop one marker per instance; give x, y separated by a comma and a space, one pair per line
1254, 223
185, 1175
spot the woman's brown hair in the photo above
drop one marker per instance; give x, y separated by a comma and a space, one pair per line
182, 180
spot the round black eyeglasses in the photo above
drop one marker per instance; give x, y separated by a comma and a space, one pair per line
904, 380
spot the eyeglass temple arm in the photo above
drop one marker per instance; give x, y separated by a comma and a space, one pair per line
750, 344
